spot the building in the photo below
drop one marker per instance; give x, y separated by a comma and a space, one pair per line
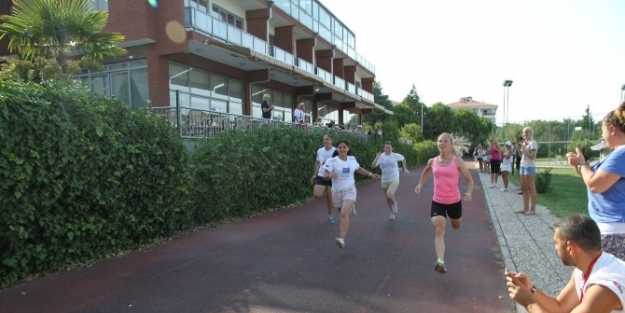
224, 55
480, 108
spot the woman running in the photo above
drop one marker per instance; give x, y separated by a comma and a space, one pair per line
322, 185
446, 169
340, 170
387, 160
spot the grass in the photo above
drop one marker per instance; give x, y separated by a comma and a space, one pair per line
567, 193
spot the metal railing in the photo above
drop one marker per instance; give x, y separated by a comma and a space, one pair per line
192, 123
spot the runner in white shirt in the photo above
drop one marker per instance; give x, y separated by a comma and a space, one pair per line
387, 160
322, 185
341, 170
598, 281
298, 114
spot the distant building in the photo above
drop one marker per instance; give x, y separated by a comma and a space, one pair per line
480, 108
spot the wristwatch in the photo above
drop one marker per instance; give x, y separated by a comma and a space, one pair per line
579, 166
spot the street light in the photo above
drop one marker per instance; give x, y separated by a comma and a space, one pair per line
506, 102
622, 92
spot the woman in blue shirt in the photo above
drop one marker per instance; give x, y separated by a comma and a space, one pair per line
606, 184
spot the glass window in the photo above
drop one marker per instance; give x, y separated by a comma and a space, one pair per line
306, 5
100, 5
324, 18
100, 85
198, 102
199, 83
119, 87
139, 88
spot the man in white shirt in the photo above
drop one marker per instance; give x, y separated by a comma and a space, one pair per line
598, 281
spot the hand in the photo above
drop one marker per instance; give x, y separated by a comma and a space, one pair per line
576, 157
406, 170
518, 290
468, 197
376, 176
377, 155
417, 189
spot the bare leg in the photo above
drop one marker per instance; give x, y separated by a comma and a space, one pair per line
504, 177
388, 201
318, 191
439, 239
390, 195
345, 210
525, 192
531, 191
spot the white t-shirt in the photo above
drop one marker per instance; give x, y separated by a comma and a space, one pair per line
527, 162
344, 171
389, 167
608, 271
322, 156
299, 116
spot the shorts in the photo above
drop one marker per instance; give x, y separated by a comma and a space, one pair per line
338, 196
386, 184
506, 168
321, 181
453, 210
495, 166
530, 170
614, 244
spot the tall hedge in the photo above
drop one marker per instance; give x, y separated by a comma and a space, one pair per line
82, 177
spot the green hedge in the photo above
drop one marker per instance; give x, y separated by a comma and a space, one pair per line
81, 178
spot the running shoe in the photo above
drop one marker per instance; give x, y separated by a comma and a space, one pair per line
395, 209
440, 267
330, 219
354, 209
340, 242
391, 216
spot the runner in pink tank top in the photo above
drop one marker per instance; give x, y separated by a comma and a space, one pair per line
446, 169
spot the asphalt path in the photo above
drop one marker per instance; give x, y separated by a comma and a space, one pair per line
287, 261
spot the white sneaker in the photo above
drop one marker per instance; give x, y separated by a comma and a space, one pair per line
504, 189
492, 186
395, 209
391, 216
340, 242
354, 209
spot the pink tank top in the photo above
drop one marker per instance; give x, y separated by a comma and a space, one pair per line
446, 182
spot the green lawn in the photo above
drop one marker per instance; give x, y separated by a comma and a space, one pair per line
567, 193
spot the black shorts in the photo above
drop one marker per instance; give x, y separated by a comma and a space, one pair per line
454, 210
495, 166
321, 181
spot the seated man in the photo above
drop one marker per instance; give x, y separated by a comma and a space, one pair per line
598, 281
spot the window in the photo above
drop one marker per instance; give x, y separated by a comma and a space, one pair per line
100, 5
228, 17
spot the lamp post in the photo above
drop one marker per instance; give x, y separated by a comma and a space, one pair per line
622, 93
506, 102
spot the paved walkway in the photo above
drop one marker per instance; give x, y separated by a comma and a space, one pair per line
286, 261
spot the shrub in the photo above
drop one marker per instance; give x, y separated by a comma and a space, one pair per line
543, 180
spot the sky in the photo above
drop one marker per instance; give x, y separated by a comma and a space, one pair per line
562, 55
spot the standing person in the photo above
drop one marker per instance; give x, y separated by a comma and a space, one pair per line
518, 154
446, 169
598, 281
528, 172
512, 149
506, 165
266, 107
606, 183
480, 156
341, 170
387, 160
495, 162
322, 185
486, 159
298, 114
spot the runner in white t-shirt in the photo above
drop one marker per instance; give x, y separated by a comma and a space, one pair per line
321, 185
387, 160
341, 170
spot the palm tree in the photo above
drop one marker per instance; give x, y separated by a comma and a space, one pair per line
60, 30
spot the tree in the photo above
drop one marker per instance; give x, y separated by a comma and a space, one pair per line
439, 119
380, 98
404, 115
588, 123
59, 30
413, 101
412, 132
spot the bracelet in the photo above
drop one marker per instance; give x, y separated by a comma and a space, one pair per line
370, 174
579, 166
533, 289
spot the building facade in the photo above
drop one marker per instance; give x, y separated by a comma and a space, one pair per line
224, 55
480, 108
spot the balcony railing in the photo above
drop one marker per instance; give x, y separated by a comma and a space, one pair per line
306, 66
339, 82
326, 76
365, 94
350, 87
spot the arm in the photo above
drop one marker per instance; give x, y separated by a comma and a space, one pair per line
520, 289
377, 158
599, 299
424, 176
530, 152
403, 162
597, 182
462, 167
365, 172
317, 166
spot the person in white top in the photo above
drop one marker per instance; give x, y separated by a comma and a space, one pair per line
340, 170
506, 165
298, 114
322, 185
598, 281
529, 148
387, 160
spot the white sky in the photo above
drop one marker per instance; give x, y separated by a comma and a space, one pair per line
561, 54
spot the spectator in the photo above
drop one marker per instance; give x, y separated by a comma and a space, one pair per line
266, 107
598, 281
528, 172
606, 184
